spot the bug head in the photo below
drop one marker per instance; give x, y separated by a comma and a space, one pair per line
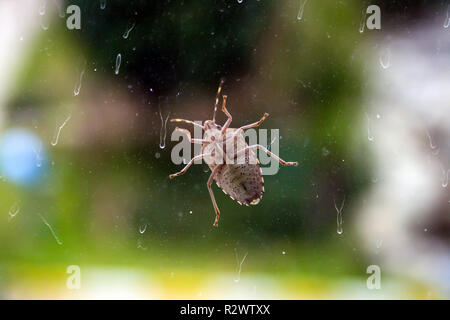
211, 124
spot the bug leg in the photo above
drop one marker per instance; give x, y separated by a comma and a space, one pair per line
183, 171
224, 109
188, 134
187, 121
251, 125
273, 155
211, 194
256, 124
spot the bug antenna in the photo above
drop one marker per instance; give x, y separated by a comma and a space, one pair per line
217, 98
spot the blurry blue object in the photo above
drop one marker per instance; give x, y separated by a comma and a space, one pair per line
22, 156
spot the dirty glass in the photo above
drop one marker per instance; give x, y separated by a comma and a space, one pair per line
356, 92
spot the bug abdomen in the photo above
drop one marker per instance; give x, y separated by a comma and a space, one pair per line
242, 182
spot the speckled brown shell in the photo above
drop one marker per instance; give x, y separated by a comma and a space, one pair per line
242, 182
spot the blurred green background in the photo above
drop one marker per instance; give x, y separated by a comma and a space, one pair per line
103, 190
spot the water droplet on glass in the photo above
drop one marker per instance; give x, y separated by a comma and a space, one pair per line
369, 134
157, 155
142, 228
102, 4
240, 1
269, 147
76, 90
385, 58
379, 243
118, 60
239, 265
362, 23
42, 7
58, 241
13, 210
38, 156
325, 152
447, 19
58, 130
61, 11
284, 252
339, 219
139, 245
302, 7
190, 211
163, 131
445, 177
430, 140
127, 32
45, 22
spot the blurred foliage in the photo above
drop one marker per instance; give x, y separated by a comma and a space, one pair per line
305, 73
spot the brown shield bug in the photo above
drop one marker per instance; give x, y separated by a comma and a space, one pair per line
233, 163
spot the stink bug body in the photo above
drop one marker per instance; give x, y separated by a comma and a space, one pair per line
242, 180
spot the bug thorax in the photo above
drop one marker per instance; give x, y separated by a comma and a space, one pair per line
212, 131
214, 147
212, 135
